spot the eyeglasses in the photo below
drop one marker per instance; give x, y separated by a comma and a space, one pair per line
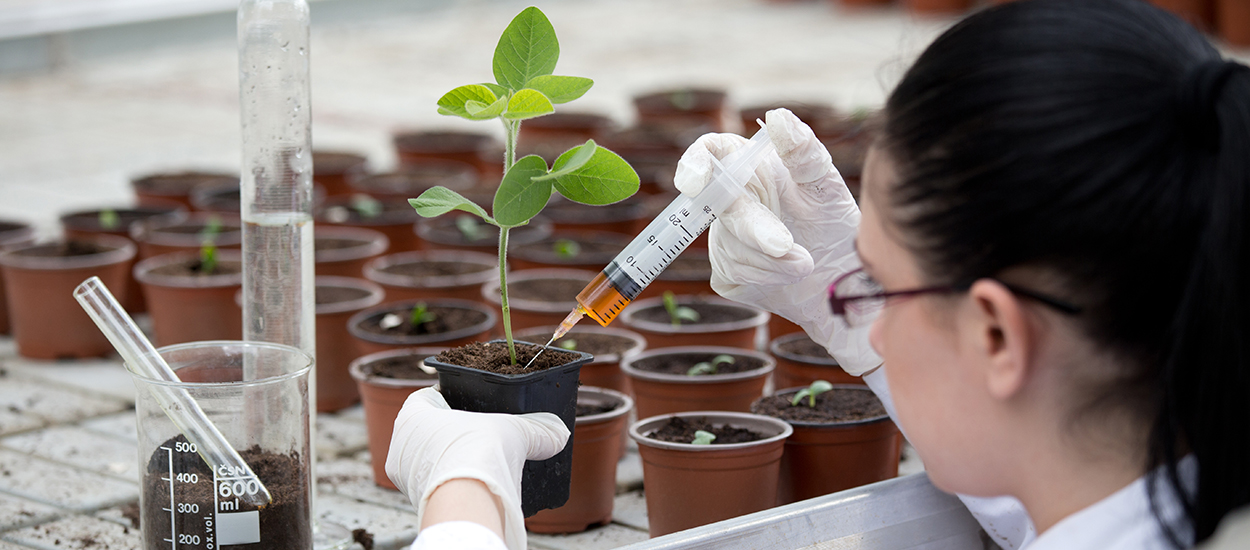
857, 297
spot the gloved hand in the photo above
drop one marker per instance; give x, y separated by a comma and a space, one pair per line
780, 247
432, 444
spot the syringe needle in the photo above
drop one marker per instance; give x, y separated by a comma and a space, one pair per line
564, 328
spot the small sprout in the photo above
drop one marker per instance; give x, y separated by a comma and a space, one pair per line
421, 314
677, 313
710, 367
208, 245
703, 438
367, 207
818, 387
469, 227
109, 219
566, 249
682, 99
568, 344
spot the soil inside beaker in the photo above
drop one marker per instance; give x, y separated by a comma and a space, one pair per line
836, 405
493, 357
681, 363
681, 430
708, 314
197, 501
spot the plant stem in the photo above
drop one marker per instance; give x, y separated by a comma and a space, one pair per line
503, 293
512, 128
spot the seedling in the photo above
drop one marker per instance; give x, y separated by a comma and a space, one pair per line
818, 387
566, 249
109, 220
703, 438
676, 313
421, 315
710, 367
568, 344
469, 228
365, 206
208, 246
525, 88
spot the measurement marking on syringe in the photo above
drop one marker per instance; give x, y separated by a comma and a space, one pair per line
683, 228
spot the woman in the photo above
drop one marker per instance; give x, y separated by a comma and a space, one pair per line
1051, 262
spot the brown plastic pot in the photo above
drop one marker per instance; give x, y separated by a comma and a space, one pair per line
823, 458
780, 326
1233, 21
156, 237
469, 147
595, 250
177, 186
368, 342
532, 311
604, 370
397, 220
737, 334
653, 152
441, 234
477, 269
410, 181
191, 308
597, 447
86, 223
661, 393
550, 136
938, 7
628, 217
333, 169
692, 485
684, 108
360, 246
47, 321
794, 370
12, 235
335, 348
383, 398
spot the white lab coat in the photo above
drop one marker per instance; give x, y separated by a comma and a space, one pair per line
1122, 521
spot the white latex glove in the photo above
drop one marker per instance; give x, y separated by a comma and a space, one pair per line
433, 444
780, 247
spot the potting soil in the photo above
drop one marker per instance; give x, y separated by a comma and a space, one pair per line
805, 347
708, 314
681, 430
688, 267
494, 357
681, 363
193, 267
335, 244
403, 367
836, 405
125, 217
284, 523
64, 250
182, 183
446, 319
597, 408
596, 344
436, 269
588, 247
546, 290
335, 294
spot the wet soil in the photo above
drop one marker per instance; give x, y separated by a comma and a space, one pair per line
805, 347
567, 211
193, 267
590, 410
66, 249
336, 244
708, 313
90, 221
284, 523
596, 344
335, 294
445, 319
681, 430
426, 269
230, 227
405, 367
364, 538
833, 406
546, 290
493, 357
680, 363
591, 250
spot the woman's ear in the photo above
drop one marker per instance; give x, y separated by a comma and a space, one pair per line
1002, 336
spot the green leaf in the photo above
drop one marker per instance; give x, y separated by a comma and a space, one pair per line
109, 219
500, 91
560, 89
604, 179
580, 156
701, 368
481, 111
703, 438
528, 103
455, 102
527, 48
566, 249
519, 198
440, 200
722, 359
818, 387
568, 344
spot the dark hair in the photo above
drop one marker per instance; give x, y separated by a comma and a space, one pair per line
1105, 145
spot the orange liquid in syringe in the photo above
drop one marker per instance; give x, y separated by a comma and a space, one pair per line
601, 301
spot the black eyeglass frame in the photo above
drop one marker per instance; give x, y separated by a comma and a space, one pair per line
839, 303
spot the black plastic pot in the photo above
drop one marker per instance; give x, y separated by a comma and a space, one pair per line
544, 483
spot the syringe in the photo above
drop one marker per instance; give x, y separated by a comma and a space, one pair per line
666, 237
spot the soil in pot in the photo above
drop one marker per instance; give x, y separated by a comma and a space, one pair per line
540, 297
452, 232
683, 430
468, 147
690, 274
845, 441
800, 361
178, 186
552, 135
720, 322
607, 344
333, 169
337, 299
40, 279
188, 304
602, 416
628, 217
662, 385
576, 249
384, 381
393, 217
344, 251
493, 357
683, 108
156, 237
283, 523
444, 322
434, 274
412, 180
12, 234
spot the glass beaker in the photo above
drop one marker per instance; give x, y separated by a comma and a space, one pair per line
183, 503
